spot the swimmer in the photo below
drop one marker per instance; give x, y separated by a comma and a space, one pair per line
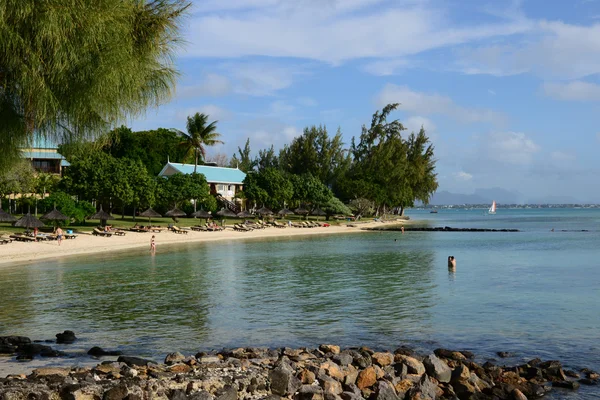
451, 262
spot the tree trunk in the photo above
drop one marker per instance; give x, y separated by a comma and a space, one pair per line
401, 211
196, 162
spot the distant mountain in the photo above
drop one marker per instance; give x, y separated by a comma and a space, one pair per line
555, 200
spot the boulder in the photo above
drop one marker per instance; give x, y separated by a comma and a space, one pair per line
350, 375
330, 348
342, 359
227, 393
282, 379
573, 385
366, 378
449, 354
67, 337
383, 359
518, 395
201, 395
309, 392
425, 389
504, 354
307, 377
100, 352
333, 370
208, 359
402, 387
385, 391
413, 365
331, 386
173, 358
588, 381
44, 372
437, 369
135, 361
15, 341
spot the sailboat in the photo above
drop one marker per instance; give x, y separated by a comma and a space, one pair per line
492, 209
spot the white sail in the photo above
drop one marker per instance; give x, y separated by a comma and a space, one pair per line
492, 209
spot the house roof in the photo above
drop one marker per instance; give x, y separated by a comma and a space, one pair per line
46, 155
212, 174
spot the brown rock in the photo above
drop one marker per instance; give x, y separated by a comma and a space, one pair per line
413, 365
307, 377
180, 368
460, 374
383, 359
518, 395
366, 378
51, 372
118, 392
333, 370
331, 386
350, 375
330, 348
403, 387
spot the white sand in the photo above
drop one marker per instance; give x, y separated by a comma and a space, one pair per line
18, 252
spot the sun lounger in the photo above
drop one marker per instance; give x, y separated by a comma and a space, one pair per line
179, 230
22, 238
279, 225
4, 240
199, 228
98, 232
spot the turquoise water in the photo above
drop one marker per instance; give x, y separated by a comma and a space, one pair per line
535, 293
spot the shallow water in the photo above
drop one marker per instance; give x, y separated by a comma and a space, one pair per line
534, 293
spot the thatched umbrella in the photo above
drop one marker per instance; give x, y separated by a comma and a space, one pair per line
284, 211
225, 212
150, 213
245, 214
201, 214
175, 213
102, 215
318, 212
301, 211
6, 217
264, 211
29, 221
55, 216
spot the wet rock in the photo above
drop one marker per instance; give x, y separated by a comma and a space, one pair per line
588, 381
571, 374
7, 349
135, 361
99, 352
34, 349
361, 360
330, 348
15, 341
437, 369
366, 378
572, 385
590, 374
118, 392
67, 337
518, 395
504, 354
449, 354
413, 365
173, 358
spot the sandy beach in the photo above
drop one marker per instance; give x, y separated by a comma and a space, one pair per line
20, 252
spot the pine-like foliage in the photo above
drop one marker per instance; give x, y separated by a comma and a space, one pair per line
73, 68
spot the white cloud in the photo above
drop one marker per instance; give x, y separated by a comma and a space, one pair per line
553, 50
213, 85
264, 132
329, 32
262, 78
387, 67
433, 103
414, 124
463, 176
280, 107
509, 148
573, 91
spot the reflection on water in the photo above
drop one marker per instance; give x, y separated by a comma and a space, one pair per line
529, 293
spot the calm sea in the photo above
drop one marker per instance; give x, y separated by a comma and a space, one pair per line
535, 293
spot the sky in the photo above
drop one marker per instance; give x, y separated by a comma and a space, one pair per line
508, 91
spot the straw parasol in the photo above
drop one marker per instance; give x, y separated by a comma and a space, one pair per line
201, 214
224, 212
29, 221
284, 211
175, 212
301, 211
102, 215
245, 214
6, 217
55, 216
318, 212
150, 213
264, 211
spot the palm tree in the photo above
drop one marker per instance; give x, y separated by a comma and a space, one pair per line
198, 136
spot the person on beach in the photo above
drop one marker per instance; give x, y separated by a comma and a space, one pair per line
59, 235
35, 232
152, 245
402, 229
451, 262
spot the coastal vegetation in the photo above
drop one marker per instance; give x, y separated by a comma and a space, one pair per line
383, 170
71, 69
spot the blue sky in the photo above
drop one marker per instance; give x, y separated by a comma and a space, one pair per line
509, 91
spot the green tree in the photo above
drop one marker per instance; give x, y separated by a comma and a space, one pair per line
267, 159
178, 188
19, 179
199, 135
71, 68
244, 161
43, 184
270, 188
335, 206
316, 153
308, 189
76, 210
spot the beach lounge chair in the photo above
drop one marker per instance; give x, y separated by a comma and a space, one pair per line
22, 238
98, 232
199, 228
178, 230
5, 240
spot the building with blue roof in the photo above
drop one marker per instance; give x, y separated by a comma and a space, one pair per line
223, 181
44, 155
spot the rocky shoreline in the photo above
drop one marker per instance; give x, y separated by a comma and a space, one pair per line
436, 229
325, 373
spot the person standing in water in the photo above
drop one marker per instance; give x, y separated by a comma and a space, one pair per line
59, 235
152, 245
451, 262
